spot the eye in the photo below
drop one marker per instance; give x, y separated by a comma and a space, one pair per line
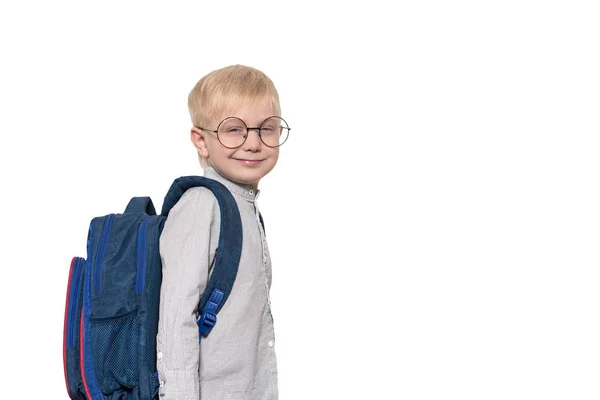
269, 128
235, 129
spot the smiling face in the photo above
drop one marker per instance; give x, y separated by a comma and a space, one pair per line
250, 162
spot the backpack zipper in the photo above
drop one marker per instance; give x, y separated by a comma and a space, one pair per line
142, 259
73, 296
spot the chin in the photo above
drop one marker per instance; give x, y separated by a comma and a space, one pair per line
251, 176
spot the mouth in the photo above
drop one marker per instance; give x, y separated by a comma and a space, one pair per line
249, 162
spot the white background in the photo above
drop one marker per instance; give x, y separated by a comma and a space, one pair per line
434, 220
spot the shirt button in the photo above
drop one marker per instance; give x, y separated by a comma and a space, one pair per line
159, 355
162, 383
271, 343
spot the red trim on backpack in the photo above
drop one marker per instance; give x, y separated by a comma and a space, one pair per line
66, 325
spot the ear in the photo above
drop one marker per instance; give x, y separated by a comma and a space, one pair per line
199, 141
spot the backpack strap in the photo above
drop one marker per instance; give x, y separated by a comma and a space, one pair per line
229, 250
141, 204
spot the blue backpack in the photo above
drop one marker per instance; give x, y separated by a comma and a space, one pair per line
111, 312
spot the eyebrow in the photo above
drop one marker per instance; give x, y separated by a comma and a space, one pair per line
249, 125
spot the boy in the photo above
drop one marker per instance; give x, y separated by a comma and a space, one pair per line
237, 131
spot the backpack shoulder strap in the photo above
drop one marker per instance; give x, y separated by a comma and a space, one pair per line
229, 249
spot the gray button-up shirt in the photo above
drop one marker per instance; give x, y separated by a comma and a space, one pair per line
236, 361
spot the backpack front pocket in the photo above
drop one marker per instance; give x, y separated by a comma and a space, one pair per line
100, 254
114, 350
71, 329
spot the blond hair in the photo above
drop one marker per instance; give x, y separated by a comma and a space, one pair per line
236, 85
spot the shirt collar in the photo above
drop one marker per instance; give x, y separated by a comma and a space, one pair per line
245, 191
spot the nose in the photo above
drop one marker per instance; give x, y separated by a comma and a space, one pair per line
253, 142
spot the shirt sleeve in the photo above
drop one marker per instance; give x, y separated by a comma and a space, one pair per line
187, 246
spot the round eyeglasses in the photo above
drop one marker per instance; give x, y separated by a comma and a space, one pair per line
232, 132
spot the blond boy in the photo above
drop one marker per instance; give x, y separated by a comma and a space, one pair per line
237, 131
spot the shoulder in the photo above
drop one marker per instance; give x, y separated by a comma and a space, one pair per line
196, 197
195, 215
195, 205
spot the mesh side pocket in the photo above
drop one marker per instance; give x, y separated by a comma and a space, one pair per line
114, 345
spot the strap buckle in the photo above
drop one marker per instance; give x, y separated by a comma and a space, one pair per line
209, 316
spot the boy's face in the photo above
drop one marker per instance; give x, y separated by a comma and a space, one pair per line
246, 164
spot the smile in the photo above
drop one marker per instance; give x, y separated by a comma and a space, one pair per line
249, 162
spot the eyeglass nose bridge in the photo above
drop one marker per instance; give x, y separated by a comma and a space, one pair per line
255, 129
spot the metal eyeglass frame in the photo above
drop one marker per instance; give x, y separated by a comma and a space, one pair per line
248, 129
